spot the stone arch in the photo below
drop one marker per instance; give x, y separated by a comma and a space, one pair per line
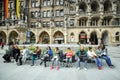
83, 37
107, 5
82, 6
32, 37
72, 37
93, 38
58, 37
13, 37
105, 37
44, 37
95, 6
3, 36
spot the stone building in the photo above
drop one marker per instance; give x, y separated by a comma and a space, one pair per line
62, 22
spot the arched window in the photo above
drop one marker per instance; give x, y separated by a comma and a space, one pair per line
117, 36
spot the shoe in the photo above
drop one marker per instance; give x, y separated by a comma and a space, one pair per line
100, 68
51, 67
57, 67
32, 65
41, 63
85, 69
111, 66
78, 68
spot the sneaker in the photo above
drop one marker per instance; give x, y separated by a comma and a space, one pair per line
51, 67
78, 68
85, 69
57, 67
100, 68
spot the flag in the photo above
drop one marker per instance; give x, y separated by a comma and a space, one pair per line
17, 8
6, 9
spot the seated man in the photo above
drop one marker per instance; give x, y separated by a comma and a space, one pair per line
82, 56
102, 52
94, 57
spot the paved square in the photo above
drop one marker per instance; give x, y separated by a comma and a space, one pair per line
10, 71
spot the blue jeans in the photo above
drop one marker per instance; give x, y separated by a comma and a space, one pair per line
107, 59
97, 61
85, 63
33, 58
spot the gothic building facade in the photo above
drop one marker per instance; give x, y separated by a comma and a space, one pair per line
62, 22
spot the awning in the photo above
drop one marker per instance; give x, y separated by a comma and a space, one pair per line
59, 39
82, 36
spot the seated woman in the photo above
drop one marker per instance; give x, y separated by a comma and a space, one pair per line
102, 52
82, 56
68, 54
47, 56
94, 57
56, 58
35, 53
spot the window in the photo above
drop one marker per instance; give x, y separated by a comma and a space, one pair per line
57, 2
46, 24
59, 23
48, 13
61, 2
71, 22
21, 3
82, 22
57, 13
61, 12
72, 11
117, 36
10, 5
46, 3
34, 4
44, 14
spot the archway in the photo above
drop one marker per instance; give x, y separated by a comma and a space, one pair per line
44, 38
93, 38
13, 37
83, 7
105, 37
2, 37
58, 37
72, 37
107, 6
32, 37
95, 6
83, 37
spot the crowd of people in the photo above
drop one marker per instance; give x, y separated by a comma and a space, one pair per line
57, 56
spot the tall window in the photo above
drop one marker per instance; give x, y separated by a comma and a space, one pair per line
46, 3
71, 22
117, 36
34, 4
57, 13
48, 13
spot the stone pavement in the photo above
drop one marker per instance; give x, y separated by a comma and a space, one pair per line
10, 71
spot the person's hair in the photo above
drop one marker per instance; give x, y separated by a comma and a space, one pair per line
57, 48
90, 48
49, 47
69, 48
